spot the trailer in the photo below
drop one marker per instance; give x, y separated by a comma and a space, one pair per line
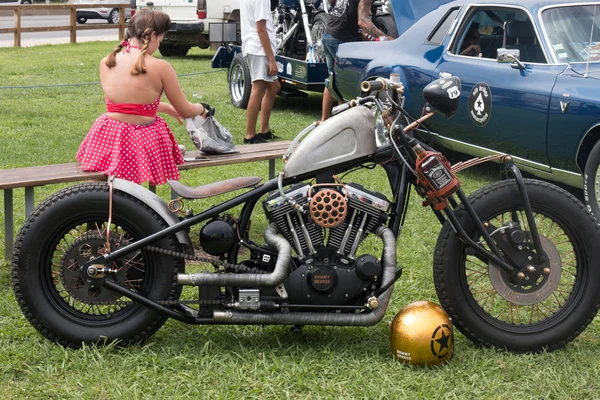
295, 76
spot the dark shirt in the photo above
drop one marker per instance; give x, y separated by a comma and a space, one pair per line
343, 20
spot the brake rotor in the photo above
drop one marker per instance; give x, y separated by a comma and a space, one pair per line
328, 208
536, 291
89, 246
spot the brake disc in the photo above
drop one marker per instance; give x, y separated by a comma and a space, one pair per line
532, 292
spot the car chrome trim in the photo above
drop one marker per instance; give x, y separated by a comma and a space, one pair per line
540, 170
496, 5
546, 38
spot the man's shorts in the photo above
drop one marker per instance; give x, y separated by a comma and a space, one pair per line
330, 47
259, 68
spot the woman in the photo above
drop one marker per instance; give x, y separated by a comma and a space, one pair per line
130, 141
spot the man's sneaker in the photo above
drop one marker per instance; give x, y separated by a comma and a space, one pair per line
254, 140
267, 136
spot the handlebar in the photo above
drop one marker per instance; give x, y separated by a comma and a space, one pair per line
373, 86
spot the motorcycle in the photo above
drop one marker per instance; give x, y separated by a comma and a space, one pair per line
514, 265
299, 27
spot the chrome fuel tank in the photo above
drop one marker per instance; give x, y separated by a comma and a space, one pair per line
344, 137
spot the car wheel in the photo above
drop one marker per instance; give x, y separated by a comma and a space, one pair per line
81, 20
387, 25
591, 182
168, 50
26, 2
240, 82
113, 17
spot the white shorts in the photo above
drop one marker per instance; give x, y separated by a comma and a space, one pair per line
259, 68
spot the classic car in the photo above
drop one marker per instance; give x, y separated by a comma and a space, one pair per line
543, 108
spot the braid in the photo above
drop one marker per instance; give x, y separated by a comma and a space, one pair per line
111, 60
139, 67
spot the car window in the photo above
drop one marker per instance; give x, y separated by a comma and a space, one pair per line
574, 33
483, 33
440, 31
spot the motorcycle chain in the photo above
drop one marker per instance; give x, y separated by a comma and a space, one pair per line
228, 266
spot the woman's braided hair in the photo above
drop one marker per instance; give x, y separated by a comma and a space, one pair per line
141, 26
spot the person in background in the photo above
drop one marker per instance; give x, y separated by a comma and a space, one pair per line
470, 45
258, 46
349, 21
130, 141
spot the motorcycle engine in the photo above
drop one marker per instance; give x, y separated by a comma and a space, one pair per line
325, 237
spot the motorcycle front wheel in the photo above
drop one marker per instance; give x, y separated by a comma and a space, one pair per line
67, 230
493, 310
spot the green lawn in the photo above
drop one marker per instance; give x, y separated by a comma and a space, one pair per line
48, 100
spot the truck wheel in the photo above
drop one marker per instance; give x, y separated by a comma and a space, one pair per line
387, 25
169, 50
240, 82
316, 32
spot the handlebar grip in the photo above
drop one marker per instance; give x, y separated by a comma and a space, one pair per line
372, 86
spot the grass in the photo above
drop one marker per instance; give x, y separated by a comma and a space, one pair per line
42, 123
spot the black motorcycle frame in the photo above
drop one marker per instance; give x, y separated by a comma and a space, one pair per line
400, 179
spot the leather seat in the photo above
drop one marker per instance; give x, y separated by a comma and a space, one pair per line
520, 35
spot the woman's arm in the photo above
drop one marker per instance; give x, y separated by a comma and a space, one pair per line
174, 93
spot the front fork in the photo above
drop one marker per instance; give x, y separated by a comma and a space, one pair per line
500, 251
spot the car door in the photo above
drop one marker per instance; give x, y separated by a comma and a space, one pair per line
503, 107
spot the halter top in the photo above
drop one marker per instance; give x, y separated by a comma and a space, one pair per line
146, 110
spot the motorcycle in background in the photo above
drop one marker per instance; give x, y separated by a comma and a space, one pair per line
515, 264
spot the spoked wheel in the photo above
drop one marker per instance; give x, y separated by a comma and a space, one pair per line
549, 308
240, 82
66, 231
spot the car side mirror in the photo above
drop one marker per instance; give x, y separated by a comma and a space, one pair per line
443, 95
510, 56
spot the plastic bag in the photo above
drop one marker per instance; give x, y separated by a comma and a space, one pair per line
209, 136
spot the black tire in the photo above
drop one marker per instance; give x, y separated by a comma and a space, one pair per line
387, 25
316, 32
66, 230
591, 181
487, 307
169, 50
81, 20
113, 17
240, 82
26, 2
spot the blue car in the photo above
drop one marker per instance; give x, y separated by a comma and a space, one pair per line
538, 98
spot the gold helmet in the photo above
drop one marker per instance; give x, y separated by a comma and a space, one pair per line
421, 334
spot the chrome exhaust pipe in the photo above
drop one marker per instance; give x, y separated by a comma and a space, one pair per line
273, 279
309, 318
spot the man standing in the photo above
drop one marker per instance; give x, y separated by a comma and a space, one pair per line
258, 46
349, 21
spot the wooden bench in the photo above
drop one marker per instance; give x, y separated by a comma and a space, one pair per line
30, 177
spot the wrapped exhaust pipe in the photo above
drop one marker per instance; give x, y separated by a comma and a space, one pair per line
273, 279
319, 318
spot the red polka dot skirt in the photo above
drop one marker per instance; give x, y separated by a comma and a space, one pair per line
137, 153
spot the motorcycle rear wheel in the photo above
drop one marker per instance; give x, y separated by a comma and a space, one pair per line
483, 302
63, 233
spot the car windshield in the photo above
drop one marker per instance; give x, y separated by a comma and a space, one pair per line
574, 32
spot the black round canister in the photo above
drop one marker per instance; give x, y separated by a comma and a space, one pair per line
217, 237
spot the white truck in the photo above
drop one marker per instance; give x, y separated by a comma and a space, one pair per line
190, 21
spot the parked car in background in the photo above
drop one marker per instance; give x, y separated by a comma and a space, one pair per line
543, 108
5, 2
109, 14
